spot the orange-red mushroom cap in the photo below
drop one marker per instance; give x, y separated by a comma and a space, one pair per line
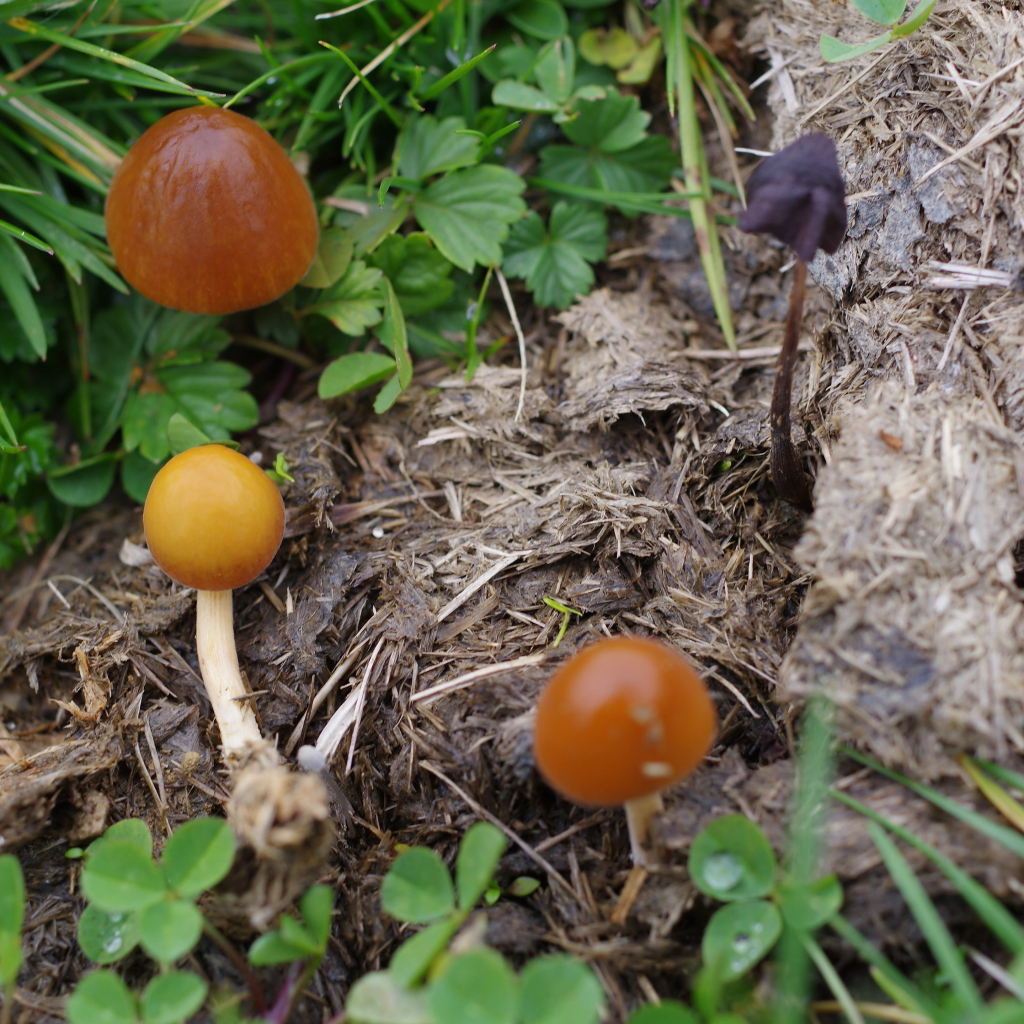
620, 720
213, 519
207, 214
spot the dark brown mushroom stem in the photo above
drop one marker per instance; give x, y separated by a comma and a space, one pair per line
787, 474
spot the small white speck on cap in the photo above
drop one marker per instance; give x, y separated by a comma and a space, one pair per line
656, 769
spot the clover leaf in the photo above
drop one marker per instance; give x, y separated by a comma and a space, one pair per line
556, 262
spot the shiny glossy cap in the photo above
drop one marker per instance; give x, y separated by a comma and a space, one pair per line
213, 519
207, 214
798, 195
620, 720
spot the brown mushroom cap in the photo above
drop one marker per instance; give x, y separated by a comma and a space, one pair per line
207, 214
622, 719
213, 519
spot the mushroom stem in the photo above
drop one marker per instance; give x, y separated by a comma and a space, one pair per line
787, 475
218, 662
638, 819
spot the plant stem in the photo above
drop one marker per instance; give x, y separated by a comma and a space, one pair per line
695, 165
218, 662
294, 985
474, 358
236, 958
787, 475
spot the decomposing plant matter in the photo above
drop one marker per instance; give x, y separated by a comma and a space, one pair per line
798, 196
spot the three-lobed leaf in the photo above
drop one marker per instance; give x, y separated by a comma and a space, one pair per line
428, 147
556, 262
467, 213
418, 887
198, 855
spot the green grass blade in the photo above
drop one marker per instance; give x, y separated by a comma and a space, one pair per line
1005, 775
722, 71
16, 288
456, 73
1008, 837
1001, 922
41, 32
932, 927
906, 993
395, 118
24, 236
832, 979
201, 11
639, 202
278, 69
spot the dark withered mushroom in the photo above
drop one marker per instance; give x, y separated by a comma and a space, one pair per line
798, 196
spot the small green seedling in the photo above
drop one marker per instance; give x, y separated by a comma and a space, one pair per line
566, 612
883, 12
12, 914
279, 474
428, 984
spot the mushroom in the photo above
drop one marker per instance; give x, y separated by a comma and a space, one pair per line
619, 722
213, 522
797, 195
207, 214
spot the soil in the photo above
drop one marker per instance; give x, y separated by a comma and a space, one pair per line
407, 602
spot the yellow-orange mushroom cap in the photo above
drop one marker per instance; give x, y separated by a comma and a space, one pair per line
621, 720
207, 214
213, 519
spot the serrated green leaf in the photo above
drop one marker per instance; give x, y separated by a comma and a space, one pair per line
172, 998
479, 852
121, 876
468, 212
421, 276
478, 987
354, 371
614, 47
198, 855
333, 255
101, 998
418, 887
555, 263
107, 936
609, 125
353, 303
739, 935
12, 894
377, 998
834, 50
731, 860
884, 12
170, 929
543, 19
560, 990
519, 96
429, 147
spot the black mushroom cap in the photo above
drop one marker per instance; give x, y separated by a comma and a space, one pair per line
798, 195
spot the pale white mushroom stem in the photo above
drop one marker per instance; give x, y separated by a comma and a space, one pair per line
638, 819
218, 662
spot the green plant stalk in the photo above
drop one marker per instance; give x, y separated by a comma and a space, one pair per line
695, 165
474, 358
